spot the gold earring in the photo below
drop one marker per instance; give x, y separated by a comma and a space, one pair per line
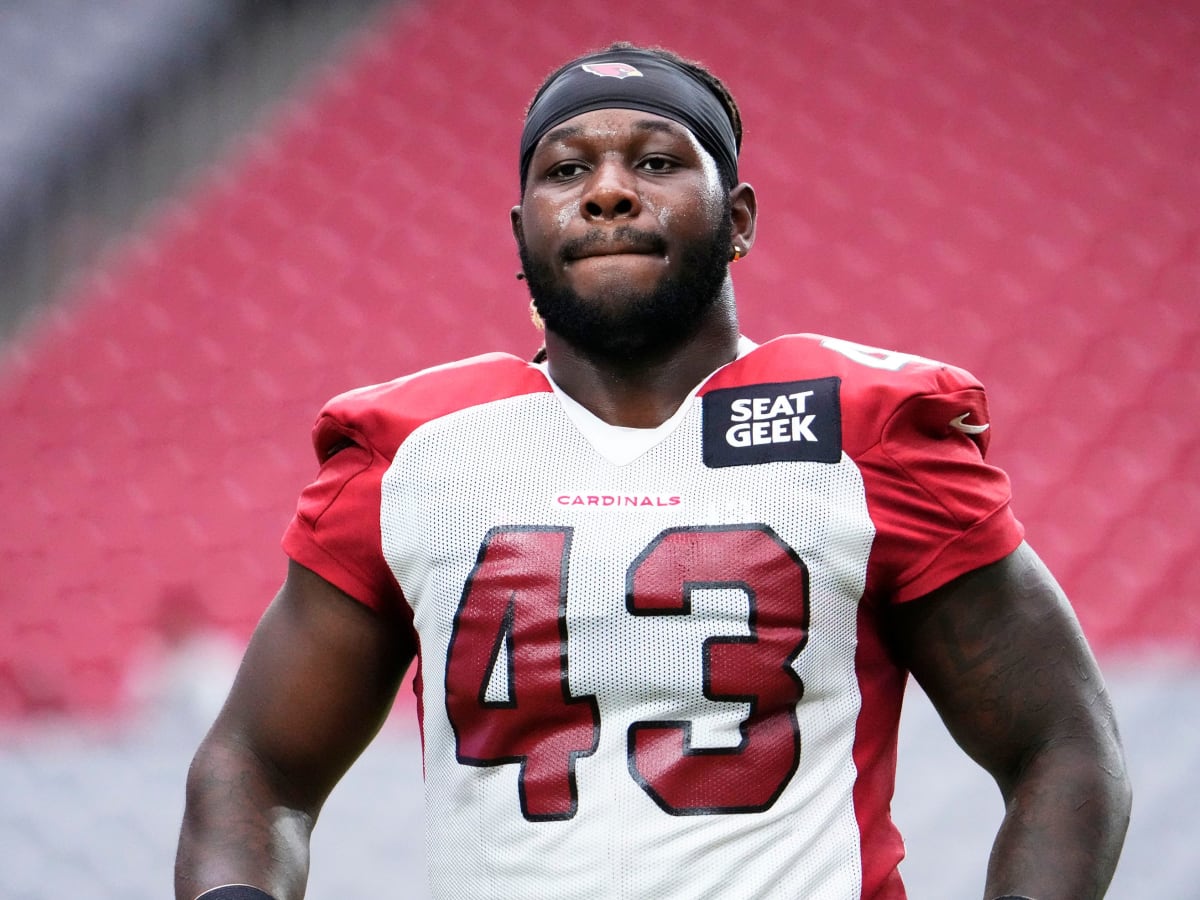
737, 253
538, 322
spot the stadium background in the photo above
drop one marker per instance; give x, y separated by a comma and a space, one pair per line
214, 214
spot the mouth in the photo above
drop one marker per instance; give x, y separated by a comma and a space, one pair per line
610, 253
596, 245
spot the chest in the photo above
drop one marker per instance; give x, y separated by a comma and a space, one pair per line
512, 502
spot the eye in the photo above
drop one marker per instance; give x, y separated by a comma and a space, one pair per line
565, 170
657, 164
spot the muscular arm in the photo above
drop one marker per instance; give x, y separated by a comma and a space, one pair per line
316, 684
1001, 656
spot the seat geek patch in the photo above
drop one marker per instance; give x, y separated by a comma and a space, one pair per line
790, 421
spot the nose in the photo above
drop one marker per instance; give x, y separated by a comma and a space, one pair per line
611, 193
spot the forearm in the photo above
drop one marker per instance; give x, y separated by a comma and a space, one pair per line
238, 828
1064, 825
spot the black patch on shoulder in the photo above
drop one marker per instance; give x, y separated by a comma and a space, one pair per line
787, 421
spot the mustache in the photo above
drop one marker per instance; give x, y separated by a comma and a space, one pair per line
625, 239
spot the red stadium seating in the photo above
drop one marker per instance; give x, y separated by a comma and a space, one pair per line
1013, 189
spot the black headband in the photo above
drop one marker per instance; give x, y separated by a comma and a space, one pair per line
633, 79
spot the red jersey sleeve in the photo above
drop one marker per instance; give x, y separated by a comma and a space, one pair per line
939, 508
335, 531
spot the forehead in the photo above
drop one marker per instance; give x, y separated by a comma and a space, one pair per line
612, 124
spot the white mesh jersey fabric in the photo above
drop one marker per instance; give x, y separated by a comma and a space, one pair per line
639, 565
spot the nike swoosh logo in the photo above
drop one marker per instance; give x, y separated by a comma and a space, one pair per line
960, 422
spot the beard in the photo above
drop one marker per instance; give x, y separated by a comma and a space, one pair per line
621, 323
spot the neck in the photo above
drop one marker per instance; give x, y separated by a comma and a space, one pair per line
644, 392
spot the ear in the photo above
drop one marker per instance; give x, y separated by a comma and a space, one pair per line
514, 215
744, 211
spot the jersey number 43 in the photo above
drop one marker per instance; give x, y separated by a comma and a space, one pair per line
511, 622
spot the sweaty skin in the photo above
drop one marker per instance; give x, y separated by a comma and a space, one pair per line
592, 181
1001, 655
315, 686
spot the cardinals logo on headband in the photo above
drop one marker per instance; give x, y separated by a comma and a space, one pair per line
612, 70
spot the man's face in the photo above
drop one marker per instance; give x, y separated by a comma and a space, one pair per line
624, 231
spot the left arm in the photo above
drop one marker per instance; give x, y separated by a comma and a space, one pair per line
1001, 656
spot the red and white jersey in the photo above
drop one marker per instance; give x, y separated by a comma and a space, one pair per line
650, 660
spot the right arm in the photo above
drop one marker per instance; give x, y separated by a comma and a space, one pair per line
315, 686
